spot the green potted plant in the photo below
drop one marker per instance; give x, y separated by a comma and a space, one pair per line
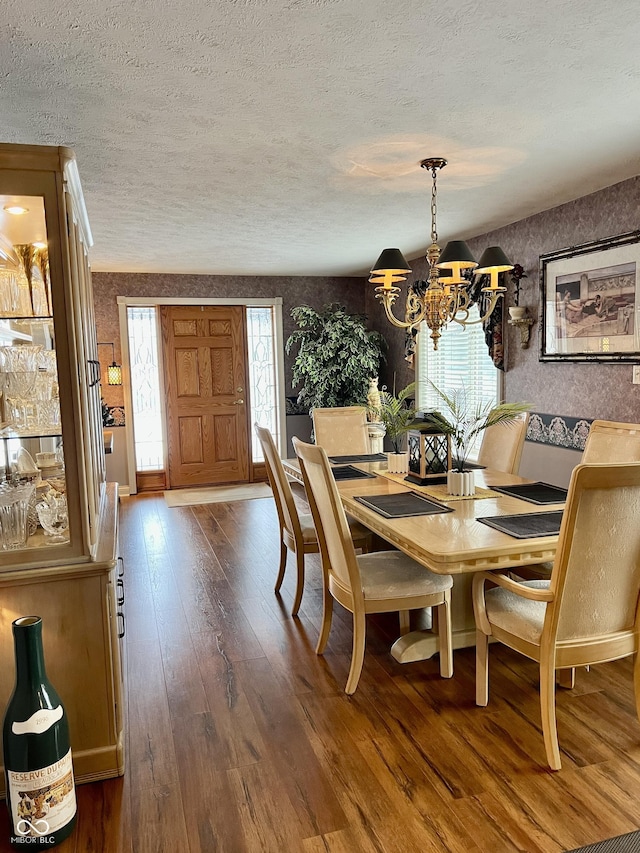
336, 356
397, 414
463, 422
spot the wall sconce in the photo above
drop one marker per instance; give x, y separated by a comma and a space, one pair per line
518, 318
114, 371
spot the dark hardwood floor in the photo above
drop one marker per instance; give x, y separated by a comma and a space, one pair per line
241, 739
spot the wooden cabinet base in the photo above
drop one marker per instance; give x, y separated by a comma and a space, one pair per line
81, 607
92, 765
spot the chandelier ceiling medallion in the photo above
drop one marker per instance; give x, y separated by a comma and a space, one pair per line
447, 298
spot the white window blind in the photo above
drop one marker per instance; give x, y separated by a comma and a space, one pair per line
461, 361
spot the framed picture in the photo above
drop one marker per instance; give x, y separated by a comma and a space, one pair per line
591, 301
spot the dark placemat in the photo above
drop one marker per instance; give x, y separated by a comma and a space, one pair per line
362, 457
402, 505
348, 472
534, 493
526, 526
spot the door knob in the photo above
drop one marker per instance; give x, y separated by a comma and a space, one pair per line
238, 402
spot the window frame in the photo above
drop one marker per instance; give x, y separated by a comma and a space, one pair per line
424, 348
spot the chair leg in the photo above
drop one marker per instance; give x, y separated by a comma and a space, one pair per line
567, 678
444, 636
405, 621
482, 668
636, 682
283, 565
299, 582
357, 655
327, 613
548, 712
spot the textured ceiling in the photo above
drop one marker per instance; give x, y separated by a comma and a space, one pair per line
282, 137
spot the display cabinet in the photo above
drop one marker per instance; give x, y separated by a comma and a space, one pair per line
58, 517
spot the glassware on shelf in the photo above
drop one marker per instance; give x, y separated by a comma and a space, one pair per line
14, 511
25, 465
8, 292
54, 517
19, 366
22, 414
19, 383
49, 415
19, 359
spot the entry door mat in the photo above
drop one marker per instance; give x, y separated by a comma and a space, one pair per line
401, 505
217, 494
534, 493
362, 457
348, 472
629, 843
528, 525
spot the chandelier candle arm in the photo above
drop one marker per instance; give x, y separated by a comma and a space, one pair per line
447, 298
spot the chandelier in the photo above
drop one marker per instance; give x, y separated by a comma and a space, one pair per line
447, 297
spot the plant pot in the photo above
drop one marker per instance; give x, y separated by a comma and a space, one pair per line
517, 312
376, 432
461, 483
397, 463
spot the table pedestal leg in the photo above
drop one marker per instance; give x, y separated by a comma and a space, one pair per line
421, 645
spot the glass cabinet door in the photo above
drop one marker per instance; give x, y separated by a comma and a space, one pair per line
51, 454
33, 489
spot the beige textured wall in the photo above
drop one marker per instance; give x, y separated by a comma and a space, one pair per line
294, 291
575, 389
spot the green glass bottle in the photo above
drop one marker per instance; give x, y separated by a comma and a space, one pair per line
37, 756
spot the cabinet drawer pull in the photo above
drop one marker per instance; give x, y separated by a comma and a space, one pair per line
120, 567
120, 592
121, 630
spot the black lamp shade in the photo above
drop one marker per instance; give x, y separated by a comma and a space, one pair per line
494, 259
456, 253
391, 260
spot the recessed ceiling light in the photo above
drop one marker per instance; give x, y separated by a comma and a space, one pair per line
39, 245
16, 209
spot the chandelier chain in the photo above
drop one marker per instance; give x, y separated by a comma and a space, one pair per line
434, 231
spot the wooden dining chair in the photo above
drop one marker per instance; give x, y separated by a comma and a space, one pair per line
379, 582
341, 431
607, 442
588, 612
501, 448
297, 530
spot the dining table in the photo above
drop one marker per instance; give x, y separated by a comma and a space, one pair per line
453, 542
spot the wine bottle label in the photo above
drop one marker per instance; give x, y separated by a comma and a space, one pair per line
38, 722
42, 801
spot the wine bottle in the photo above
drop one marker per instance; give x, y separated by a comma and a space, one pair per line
41, 794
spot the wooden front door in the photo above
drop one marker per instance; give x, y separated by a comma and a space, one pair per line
205, 371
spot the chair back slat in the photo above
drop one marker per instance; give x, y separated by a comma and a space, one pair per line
501, 448
609, 441
280, 487
341, 431
339, 556
596, 574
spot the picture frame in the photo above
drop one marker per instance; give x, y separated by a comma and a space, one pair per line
590, 301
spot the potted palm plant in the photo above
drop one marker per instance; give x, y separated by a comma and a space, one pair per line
397, 414
463, 422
